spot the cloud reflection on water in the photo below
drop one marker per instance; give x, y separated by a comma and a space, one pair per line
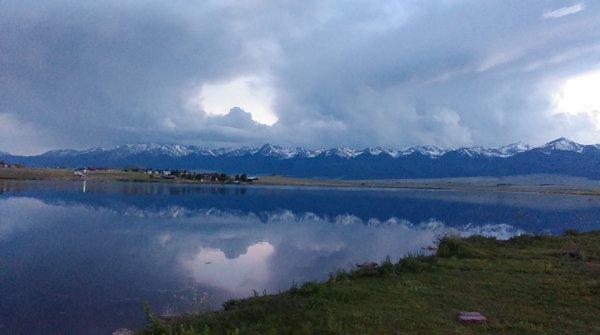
238, 275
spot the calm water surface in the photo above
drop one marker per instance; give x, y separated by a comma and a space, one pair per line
78, 258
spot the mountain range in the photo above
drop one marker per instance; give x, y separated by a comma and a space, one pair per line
561, 156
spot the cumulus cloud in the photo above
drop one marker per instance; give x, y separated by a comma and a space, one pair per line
252, 93
315, 73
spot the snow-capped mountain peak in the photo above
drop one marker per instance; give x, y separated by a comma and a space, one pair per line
268, 150
175, 150
425, 150
304, 153
561, 144
472, 151
512, 149
342, 152
503, 151
278, 152
376, 151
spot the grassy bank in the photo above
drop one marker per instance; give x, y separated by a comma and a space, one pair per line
526, 285
69, 174
26, 173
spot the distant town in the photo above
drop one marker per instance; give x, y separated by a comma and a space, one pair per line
213, 177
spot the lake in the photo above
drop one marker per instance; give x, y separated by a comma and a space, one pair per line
80, 257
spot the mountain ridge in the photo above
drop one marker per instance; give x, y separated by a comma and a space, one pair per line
558, 156
285, 152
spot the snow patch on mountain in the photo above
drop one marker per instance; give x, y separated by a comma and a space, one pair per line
342, 152
376, 151
473, 151
503, 151
269, 150
175, 150
511, 149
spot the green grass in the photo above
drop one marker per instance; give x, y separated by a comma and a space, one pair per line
68, 174
36, 174
26, 173
526, 285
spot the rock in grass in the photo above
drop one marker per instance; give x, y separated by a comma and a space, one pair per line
367, 266
122, 331
471, 317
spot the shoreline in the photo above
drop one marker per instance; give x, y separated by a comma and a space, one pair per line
440, 185
482, 184
525, 285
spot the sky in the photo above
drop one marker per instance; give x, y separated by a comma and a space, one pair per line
313, 73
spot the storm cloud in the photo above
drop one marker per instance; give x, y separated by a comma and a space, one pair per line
314, 73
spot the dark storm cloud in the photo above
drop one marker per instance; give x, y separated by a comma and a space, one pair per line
76, 74
91, 73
